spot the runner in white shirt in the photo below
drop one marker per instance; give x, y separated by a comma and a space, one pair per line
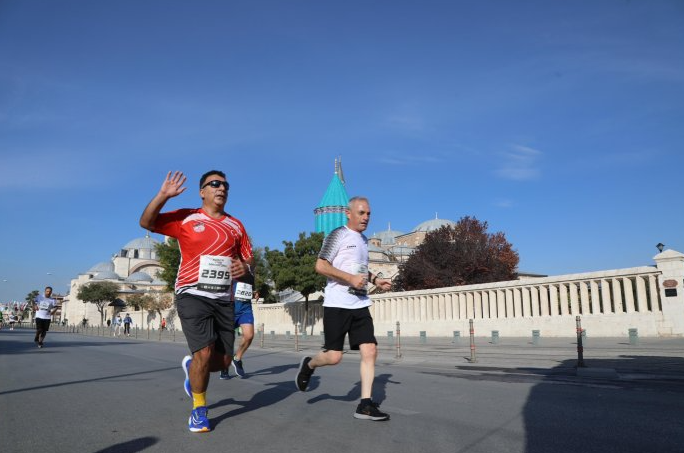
343, 259
44, 307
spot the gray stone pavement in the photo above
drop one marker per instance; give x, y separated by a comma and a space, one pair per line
104, 395
649, 358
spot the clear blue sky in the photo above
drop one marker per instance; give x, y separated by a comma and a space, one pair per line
559, 123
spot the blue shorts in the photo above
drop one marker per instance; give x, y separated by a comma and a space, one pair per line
243, 313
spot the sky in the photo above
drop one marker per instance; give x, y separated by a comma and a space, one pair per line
560, 124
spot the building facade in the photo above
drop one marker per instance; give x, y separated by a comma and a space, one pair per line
134, 268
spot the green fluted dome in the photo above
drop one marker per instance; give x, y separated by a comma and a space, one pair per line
330, 213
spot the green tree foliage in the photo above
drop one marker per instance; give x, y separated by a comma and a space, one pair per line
152, 301
169, 259
31, 300
99, 293
461, 254
294, 267
31, 297
262, 276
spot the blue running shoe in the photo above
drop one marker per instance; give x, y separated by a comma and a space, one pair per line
186, 368
224, 374
199, 420
238, 369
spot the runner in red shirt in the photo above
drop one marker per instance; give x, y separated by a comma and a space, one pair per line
214, 250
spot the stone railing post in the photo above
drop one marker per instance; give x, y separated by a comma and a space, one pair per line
670, 263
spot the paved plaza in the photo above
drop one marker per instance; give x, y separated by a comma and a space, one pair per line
89, 393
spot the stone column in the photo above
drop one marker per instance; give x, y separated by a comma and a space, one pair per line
629, 294
574, 299
584, 298
641, 295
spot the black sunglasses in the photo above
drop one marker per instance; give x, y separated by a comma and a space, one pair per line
216, 184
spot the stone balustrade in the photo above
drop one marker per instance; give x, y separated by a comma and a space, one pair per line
608, 302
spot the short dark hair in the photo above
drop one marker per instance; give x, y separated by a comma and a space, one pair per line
209, 173
48, 287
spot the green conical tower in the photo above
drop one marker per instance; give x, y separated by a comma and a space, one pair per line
330, 213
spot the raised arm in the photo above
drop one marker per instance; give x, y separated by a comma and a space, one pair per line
171, 187
324, 267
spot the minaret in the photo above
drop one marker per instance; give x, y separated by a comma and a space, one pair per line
330, 213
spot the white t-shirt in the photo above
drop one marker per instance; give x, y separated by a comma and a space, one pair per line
346, 250
45, 306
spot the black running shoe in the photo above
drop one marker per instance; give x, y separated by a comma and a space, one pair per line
304, 374
370, 412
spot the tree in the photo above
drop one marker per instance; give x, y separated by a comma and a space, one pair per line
100, 294
461, 254
262, 276
152, 301
31, 297
30, 302
169, 259
294, 267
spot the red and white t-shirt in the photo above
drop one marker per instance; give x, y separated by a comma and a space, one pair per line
207, 246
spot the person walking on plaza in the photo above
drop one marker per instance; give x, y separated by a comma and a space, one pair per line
343, 259
214, 249
45, 307
127, 321
117, 325
244, 319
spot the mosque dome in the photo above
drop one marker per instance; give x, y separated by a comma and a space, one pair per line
144, 243
433, 224
107, 275
140, 248
139, 277
387, 237
105, 266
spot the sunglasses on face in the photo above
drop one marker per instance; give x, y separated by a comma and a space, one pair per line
216, 184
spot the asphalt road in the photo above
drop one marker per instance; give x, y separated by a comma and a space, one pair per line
95, 394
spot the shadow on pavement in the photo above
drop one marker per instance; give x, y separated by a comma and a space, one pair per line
82, 381
274, 370
28, 346
131, 446
640, 411
354, 394
277, 392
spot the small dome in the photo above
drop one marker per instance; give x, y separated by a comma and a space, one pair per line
433, 224
107, 275
387, 237
402, 250
139, 277
376, 253
105, 266
375, 248
144, 243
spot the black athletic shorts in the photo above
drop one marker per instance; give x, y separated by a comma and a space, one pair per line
338, 322
206, 321
42, 324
